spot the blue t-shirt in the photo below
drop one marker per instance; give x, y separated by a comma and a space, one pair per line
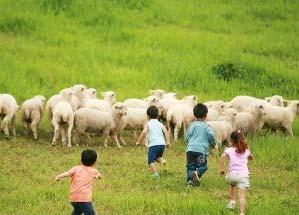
200, 137
155, 133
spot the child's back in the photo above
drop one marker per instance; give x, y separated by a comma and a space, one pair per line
237, 161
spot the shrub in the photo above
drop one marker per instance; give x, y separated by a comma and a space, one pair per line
228, 71
16, 25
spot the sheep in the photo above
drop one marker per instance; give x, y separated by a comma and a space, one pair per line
31, 114
96, 121
8, 110
158, 93
142, 103
78, 94
103, 105
63, 118
250, 120
276, 117
181, 114
240, 103
166, 102
134, 120
90, 93
275, 100
212, 114
224, 126
219, 105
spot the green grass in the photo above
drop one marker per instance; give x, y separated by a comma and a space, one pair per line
131, 46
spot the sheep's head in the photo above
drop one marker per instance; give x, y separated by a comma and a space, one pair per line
158, 93
294, 104
79, 90
170, 95
119, 108
40, 98
191, 100
275, 100
67, 94
230, 113
109, 96
91, 93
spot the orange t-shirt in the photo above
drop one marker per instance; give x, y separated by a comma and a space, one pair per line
81, 184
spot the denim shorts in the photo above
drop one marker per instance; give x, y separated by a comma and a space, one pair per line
238, 180
155, 152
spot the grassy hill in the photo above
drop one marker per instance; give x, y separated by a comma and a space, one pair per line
214, 49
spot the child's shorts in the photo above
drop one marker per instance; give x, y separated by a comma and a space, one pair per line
155, 152
238, 180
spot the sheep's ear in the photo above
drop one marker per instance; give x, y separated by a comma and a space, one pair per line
268, 99
194, 98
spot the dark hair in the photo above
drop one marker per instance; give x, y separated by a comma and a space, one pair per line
152, 112
237, 139
88, 157
200, 110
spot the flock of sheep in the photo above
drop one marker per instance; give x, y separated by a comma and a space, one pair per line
78, 108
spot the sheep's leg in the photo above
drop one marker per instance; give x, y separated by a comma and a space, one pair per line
26, 128
176, 132
116, 140
288, 130
13, 125
123, 142
63, 135
106, 141
69, 133
135, 136
34, 126
106, 135
5, 125
56, 133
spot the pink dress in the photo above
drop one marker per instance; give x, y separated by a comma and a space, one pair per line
238, 162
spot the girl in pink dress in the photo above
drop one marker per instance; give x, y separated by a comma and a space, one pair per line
238, 174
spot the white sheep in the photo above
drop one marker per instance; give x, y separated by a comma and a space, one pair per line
167, 102
142, 103
219, 105
103, 105
158, 93
63, 118
281, 118
250, 120
181, 114
240, 103
224, 126
134, 120
8, 110
275, 100
96, 121
31, 114
212, 114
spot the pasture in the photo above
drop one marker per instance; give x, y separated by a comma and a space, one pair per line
131, 46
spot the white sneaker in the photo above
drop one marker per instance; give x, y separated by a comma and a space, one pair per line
231, 205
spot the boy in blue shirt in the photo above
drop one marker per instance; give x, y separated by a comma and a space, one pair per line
156, 134
200, 137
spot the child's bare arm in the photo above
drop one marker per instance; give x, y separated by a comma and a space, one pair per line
98, 175
143, 133
221, 163
166, 135
65, 174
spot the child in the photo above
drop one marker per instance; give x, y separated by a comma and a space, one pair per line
238, 174
81, 184
199, 138
157, 134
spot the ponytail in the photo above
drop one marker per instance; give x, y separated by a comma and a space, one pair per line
238, 141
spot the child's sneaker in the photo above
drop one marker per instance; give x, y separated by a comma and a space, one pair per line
231, 205
190, 184
155, 176
196, 179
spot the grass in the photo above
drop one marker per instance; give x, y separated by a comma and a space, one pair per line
131, 46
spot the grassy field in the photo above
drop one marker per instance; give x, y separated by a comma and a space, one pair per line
131, 46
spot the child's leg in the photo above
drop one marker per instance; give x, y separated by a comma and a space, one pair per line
153, 168
191, 165
201, 164
77, 210
242, 194
232, 193
87, 208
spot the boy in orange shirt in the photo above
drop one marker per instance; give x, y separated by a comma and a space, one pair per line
81, 183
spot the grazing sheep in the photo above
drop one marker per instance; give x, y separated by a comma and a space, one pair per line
275, 100
224, 126
96, 121
179, 115
281, 118
240, 103
31, 114
250, 120
103, 105
8, 110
